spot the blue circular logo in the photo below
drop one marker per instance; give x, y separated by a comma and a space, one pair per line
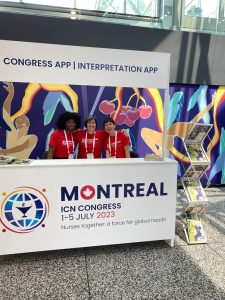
24, 209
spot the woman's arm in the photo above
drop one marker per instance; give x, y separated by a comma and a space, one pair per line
50, 154
127, 151
107, 154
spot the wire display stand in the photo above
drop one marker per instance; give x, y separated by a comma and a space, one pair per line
189, 224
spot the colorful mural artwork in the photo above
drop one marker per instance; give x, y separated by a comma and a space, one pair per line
37, 106
28, 113
197, 104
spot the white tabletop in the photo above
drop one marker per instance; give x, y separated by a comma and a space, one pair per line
91, 162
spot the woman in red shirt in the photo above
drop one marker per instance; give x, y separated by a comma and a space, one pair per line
117, 144
90, 140
62, 142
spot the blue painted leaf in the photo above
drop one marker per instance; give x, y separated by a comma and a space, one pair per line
180, 103
218, 166
202, 103
174, 108
50, 100
222, 141
66, 103
50, 113
132, 140
193, 100
48, 139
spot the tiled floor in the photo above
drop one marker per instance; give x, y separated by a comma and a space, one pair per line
142, 271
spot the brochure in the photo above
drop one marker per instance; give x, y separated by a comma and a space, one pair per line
194, 190
195, 208
196, 171
196, 153
153, 157
198, 132
4, 160
195, 231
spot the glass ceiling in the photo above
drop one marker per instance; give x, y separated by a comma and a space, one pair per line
189, 15
133, 7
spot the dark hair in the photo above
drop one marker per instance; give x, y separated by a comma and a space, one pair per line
90, 118
107, 120
64, 117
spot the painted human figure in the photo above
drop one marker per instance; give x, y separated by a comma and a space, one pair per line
18, 142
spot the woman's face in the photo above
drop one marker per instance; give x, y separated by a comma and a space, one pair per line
70, 125
110, 128
91, 126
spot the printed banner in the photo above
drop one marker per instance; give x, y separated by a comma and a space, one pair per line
81, 203
46, 63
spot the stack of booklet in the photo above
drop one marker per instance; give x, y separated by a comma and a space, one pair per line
196, 153
195, 230
4, 160
194, 190
153, 157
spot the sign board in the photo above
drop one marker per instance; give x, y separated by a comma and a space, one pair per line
62, 204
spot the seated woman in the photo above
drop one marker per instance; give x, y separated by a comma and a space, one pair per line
90, 140
62, 143
117, 144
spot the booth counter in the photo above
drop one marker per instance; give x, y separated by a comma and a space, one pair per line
58, 204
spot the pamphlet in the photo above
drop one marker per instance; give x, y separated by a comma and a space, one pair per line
196, 233
196, 171
195, 208
198, 132
152, 156
196, 153
194, 190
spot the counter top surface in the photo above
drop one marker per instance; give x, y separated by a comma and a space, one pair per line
91, 162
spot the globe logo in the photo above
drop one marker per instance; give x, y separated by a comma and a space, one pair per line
24, 209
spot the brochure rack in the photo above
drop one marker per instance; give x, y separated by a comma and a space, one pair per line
189, 225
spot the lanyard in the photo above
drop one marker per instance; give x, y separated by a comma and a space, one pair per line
93, 143
110, 147
67, 143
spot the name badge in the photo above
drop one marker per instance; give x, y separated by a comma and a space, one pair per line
70, 156
90, 155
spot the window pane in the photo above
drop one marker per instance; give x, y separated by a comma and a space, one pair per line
87, 4
201, 8
59, 3
148, 8
116, 6
133, 7
10, 1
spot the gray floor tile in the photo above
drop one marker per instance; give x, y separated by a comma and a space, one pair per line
210, 262
219, 249
156, 273
179, 241
125, 248
215, 193
138, 271
214, 217
214, 226
44, 275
